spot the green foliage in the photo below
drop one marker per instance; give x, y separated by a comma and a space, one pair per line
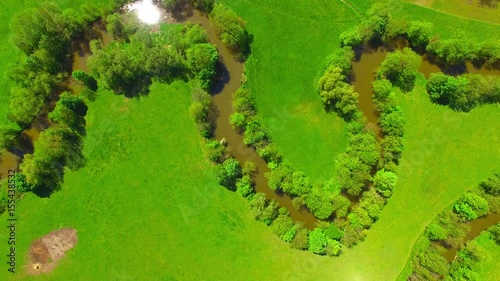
255, 134
453, 51
115, 27
87, 80
436, 232
201, 60
429, 264
43, 27
283, 226
24, 106
230, 28
228, 173
244, 186
337, 95
384, 182
198, 110
342, 59
216, 152
419, 33
262, 210
333, 248
319, 202
8, 134
204, 5
333, 232
21, 184
352, 236
317, 241
341, 206
352, 174
351, 38
301, 239
401, 68
463, 267
70, 111
495, 233
471, 206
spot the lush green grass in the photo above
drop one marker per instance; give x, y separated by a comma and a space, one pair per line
9, 53
463, 8
489, 269
146, 205
291, 41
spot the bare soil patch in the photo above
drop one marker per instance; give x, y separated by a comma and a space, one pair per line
46, 251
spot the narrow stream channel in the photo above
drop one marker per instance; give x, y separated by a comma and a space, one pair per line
222, 99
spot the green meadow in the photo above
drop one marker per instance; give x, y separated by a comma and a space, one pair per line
147, 205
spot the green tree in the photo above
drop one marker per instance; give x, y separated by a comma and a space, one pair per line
317, 241
319, 203
301, 239
336, 94
471, 206
333, 248
283, 227
201, 60
244, 186
401, 68
385, 181
24, 106
228, 172
352, 174
419, 33
230, 28
8, 134
87, 80
115, 27
70, 110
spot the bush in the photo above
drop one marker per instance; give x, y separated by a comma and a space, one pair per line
228, 173
201, 60
333, 248
401, 68
471, 206
317, 241
495, 233
216, 152
333, 232
384, 182
337, 95
244, 186
301, 239
284, 228
230, 28
262, 210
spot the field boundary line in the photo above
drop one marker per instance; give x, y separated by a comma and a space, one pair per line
266, 8
453, 15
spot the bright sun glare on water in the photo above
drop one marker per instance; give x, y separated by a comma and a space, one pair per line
146, 11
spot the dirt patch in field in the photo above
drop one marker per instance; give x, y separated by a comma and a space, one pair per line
46, 251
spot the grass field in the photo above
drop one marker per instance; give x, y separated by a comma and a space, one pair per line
490, 268
464, 8
146, 206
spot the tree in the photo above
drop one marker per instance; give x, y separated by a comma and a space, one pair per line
351, 38
201, 60
352, 174
336, 94
230, 28
385, 181
453, 51
8, 134
228, 172
341, 206
495, 233
87, 80
320, 203
204, 5
24, 106
419, 33
401, 68
244, 186
115, 27
262, 210
317, 241
284, 228
70, 110
342, 59
333, 232
471, 206
301, 239
333, 248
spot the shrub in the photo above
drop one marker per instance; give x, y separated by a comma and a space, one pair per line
401, 68
230, 28
317, 241
301, 239
228, 172
471, 206
384, 182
